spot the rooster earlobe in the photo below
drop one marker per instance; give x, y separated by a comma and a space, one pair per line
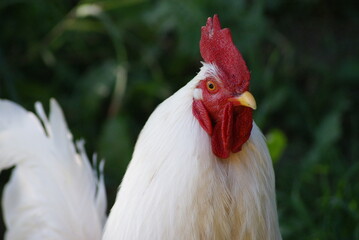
202, 115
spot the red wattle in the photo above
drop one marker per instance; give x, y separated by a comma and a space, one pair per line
242, 127
230, 132
222, 134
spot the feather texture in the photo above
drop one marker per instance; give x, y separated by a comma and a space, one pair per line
53, 192
176, 188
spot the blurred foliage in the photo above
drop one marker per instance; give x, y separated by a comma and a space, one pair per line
276, 141
109, 63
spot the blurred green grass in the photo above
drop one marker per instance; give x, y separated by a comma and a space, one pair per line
109, 63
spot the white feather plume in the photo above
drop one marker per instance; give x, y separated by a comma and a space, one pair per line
53, 192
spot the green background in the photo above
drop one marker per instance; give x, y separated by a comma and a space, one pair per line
110, 63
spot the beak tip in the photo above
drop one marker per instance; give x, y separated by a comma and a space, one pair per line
246, 99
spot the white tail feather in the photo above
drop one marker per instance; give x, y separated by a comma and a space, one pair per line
53, 192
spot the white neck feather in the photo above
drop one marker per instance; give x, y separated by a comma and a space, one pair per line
175, 188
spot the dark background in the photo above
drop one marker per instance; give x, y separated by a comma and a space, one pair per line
110, 63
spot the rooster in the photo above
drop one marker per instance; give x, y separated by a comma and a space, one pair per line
200, 168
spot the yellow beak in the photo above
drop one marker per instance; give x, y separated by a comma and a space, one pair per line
246, 99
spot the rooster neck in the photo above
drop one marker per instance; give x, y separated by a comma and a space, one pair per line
175, 186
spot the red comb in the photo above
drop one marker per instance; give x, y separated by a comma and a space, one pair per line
217, 47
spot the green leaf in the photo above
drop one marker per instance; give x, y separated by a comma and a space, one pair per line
277, 142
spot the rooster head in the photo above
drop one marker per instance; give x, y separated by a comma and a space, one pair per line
222, 104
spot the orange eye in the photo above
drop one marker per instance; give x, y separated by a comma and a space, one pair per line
211, 86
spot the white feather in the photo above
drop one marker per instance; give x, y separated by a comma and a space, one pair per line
175, 188
53, 192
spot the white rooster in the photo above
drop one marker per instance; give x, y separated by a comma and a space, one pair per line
200, 168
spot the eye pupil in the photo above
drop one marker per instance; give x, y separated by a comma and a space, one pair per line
211, 86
